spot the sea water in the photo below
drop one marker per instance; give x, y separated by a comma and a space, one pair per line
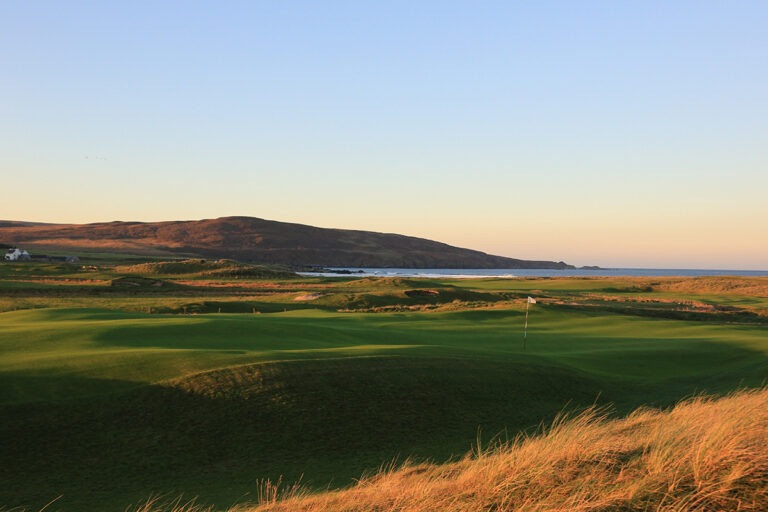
465, 273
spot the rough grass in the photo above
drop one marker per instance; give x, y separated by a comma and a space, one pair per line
702, 455
750, 286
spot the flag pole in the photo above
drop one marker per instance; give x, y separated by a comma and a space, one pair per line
525, 330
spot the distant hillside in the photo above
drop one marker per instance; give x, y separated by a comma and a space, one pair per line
260, 241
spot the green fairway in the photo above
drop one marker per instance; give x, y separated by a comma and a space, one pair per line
105, 407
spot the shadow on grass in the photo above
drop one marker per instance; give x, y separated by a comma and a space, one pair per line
214, 434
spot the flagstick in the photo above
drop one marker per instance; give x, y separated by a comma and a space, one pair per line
525, 331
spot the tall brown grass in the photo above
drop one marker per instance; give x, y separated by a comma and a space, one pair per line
718, 285
702, 455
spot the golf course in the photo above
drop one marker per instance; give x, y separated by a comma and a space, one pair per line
121, 380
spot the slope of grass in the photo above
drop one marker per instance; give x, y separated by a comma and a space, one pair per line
217, 433
147, 349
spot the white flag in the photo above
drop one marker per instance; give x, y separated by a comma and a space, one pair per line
531, 300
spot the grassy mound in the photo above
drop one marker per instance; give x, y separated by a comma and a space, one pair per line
390, 282
395, 295
210, 268
132, 282
702, 455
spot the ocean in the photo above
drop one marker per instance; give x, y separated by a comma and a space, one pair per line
456, 273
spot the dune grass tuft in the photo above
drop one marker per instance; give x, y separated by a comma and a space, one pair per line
702, 455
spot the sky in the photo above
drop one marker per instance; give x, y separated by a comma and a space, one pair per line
620, 134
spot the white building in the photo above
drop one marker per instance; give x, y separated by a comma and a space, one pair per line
16, 255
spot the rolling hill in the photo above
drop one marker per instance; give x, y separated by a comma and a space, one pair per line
257, 240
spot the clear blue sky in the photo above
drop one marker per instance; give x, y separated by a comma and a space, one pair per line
611, 133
